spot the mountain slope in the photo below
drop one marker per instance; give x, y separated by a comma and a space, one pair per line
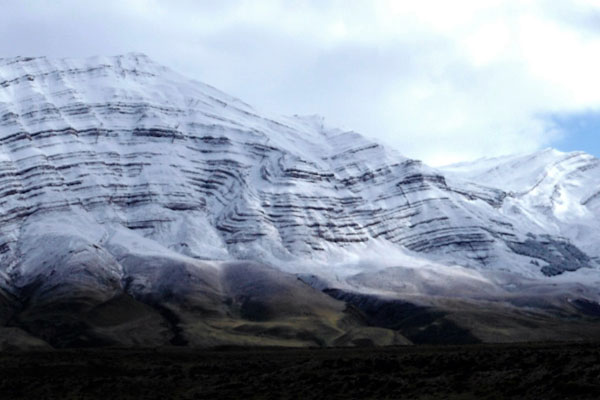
123, 182
562, 190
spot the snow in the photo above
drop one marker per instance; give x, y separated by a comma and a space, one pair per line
119, 158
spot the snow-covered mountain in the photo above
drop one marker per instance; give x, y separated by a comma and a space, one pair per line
120, 177
560, 190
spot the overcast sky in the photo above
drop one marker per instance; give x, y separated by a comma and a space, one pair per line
442, 81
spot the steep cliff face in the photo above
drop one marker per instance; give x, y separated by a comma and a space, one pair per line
117, 175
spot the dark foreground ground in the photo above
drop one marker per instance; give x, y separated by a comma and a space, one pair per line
528, 371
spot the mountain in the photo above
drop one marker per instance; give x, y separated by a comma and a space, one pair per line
139, 207
562, 190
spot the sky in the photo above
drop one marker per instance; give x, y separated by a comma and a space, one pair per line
441, 81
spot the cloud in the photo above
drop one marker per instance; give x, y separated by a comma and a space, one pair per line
440, 81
